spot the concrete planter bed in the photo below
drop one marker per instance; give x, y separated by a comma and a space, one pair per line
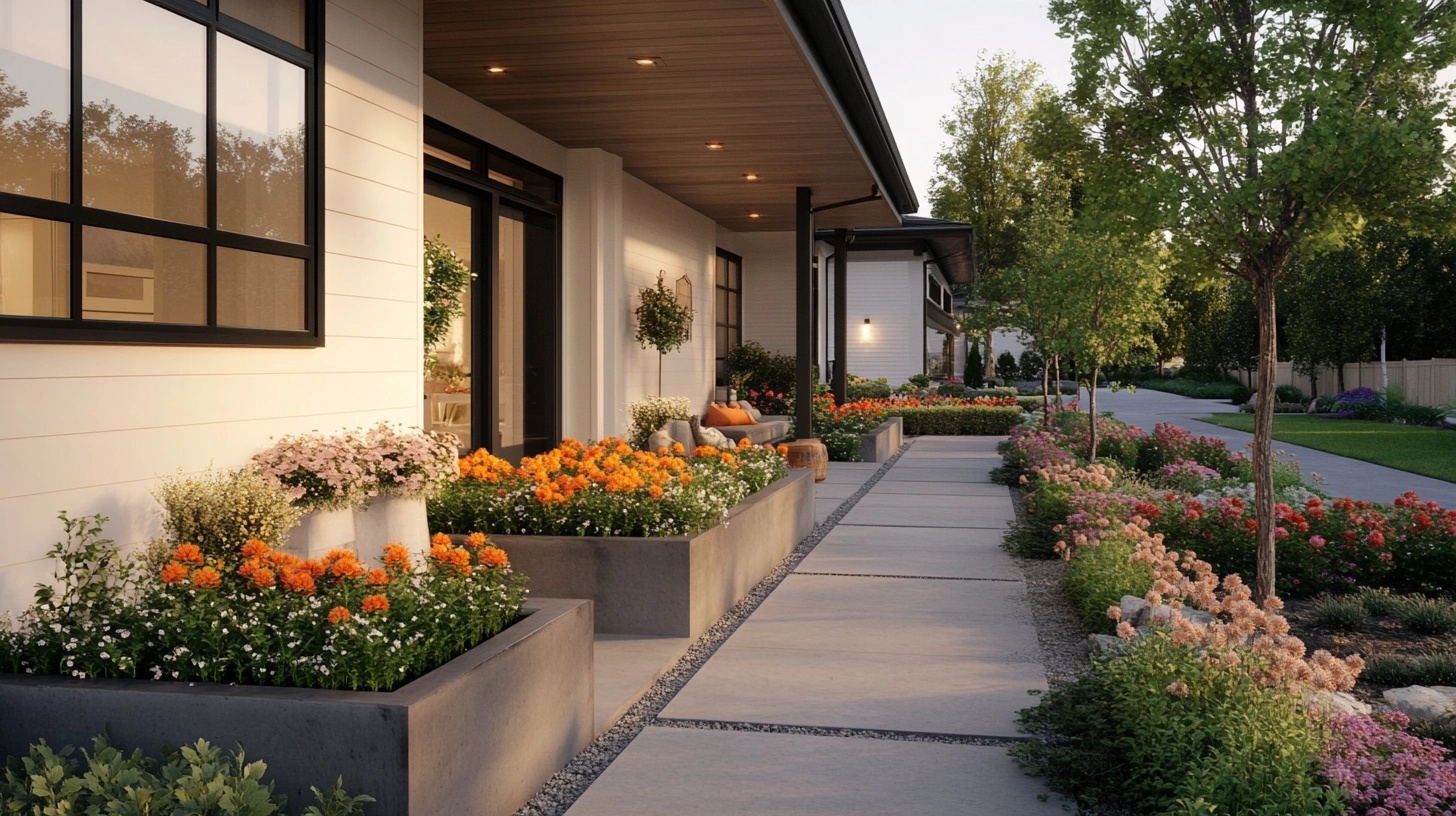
881, 443
676, 586
478, 735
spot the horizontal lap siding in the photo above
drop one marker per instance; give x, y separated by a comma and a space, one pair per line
768, 289
90, 429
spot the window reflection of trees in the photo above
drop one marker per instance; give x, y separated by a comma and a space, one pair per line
149, 162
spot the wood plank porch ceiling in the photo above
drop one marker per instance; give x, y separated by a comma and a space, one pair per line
731, 72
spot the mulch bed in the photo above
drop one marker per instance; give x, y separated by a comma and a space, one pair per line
1379, 636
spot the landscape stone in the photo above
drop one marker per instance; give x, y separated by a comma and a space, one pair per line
1420, 703
1336, 702
1162, 613
1131, 607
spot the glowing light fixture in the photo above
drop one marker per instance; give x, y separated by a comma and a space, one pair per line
648, 61
750, 177
495, 69
713, 145
865, 331
754, 215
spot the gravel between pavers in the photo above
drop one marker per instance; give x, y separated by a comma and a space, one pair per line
567, 785
1059, 630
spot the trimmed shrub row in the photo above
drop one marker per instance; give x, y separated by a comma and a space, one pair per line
955, 420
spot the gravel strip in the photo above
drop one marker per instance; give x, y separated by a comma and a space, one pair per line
850, 733
567, 785
1059, 630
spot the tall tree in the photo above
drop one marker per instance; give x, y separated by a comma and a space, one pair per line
984, 177
1263, 124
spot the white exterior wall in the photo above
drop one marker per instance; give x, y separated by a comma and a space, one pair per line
90, 428
768, 288
887, 288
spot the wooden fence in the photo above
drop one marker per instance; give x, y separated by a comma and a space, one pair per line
1423, 382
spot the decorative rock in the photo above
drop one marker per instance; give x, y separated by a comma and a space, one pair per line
1420, 703
1132, 606
1162, 613
1104, 644
1336, 702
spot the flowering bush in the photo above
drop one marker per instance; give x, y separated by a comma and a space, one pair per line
1184, 476
604, 488
219, 512
1386, 771
347, 469
840, 427
1357, 402
261, 616
769, 401
1170, 444
649, 415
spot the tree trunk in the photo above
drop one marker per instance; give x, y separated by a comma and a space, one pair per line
1340, 377
660, 355
1046, 394
988, 360
1092, 414
1313, 387
1263, 436
1057, 359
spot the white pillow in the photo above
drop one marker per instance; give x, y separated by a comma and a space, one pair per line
659, 440
715, 437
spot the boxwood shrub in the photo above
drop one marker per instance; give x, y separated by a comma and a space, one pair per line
956, 420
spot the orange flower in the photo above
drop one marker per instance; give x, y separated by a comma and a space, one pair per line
440, 540
453, 558
298, 580
247, 568
378, 578
346, 568
339, 615
264, 578
206, 578
174, 573
655, 492
338, 555
397, 558
256, 549
313, 567
476, 540
375, 603
494, 557
188, 554
783, 450
678, 449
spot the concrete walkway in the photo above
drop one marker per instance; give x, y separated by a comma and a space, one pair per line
882, 676
1342, 476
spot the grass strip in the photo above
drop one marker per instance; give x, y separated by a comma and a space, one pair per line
1427, 451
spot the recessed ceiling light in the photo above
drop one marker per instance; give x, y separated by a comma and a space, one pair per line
754, 215
646, 61
750, 177
495, 69
714, 145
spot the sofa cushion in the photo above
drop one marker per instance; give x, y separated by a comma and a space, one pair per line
760, 433
660, 440
752, 412
721, 416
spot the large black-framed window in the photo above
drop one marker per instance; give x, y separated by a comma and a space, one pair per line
502, 215
727, 309
160, 182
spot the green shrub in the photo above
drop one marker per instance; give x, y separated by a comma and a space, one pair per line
1099, 576
1030, 365
1420, 670
1380, 602
952, 390
1006, 367
1197, 389
1338, 612
194, 780
761, 368
649, 415
1426, 616
1288, 393
221, 511
858, 388
919, 380
1241, 394
957, 420
1120, 740
1029, 404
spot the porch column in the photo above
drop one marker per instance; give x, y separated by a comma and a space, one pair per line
804, 258
841, 306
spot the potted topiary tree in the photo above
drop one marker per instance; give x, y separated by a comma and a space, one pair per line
662, 322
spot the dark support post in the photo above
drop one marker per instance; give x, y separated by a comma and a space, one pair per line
804, 252
841, 306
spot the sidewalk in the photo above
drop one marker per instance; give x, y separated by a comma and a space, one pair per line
1342, 476
882, 676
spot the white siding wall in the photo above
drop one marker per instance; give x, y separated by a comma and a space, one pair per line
90, 428
887, 288
768, 288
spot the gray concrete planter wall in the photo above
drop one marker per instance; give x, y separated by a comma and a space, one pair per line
478, 735
881, 443
671, 586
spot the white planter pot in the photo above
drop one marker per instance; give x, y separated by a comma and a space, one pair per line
389, 519
320, 531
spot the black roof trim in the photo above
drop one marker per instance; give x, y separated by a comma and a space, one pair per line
824, 30
951, 243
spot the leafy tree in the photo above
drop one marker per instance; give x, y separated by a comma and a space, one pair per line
1262, 126
1330, 321
985, 178
1006, 367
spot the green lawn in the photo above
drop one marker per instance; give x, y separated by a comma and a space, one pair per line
1427, 451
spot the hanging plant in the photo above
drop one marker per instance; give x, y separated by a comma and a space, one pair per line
446, 279
662, 322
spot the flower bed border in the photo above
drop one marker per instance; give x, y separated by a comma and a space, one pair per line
675, 586
478, 735
883, 441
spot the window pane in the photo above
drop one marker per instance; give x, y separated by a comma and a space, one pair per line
282, 18
260, 143
519, 176
447, 148
145, 88
35, 98
258, 291
731, 316
126, 276
733, 269
35, 267
720, 310
722, 347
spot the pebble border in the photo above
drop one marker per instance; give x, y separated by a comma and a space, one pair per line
568, 784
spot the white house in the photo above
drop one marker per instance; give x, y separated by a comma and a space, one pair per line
212, 211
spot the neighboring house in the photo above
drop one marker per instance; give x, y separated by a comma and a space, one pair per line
211, 217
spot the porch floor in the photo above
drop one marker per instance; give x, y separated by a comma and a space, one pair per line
883, 674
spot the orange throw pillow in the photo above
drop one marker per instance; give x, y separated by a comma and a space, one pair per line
720, 416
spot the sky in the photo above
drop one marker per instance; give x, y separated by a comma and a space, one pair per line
914, 50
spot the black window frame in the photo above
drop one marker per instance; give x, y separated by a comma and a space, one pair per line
77, 216
720, 355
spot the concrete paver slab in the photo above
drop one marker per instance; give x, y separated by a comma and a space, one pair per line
919, 474
885, 486
676, 771
624, 667
989, 517
887, 553
942, 694
836, 490
958, 460
1001, 503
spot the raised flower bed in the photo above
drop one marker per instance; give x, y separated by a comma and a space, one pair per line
664, 545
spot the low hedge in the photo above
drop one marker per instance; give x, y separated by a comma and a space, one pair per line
957, 420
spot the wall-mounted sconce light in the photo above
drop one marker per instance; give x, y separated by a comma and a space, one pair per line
864, 331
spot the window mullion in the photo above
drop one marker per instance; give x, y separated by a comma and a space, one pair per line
76, 165
211, 174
